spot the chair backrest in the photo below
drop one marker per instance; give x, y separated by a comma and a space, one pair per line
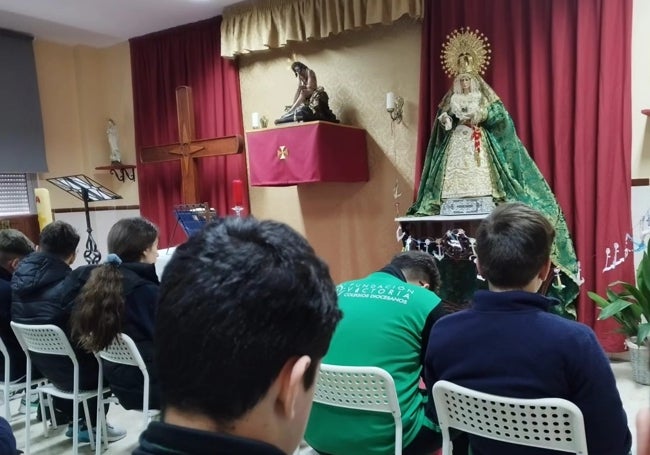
123, 350
551, 423
43, 339
361, 388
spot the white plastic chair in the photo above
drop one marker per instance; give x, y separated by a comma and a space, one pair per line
124, 350
550, 423
50, 339
361, 388
11, 387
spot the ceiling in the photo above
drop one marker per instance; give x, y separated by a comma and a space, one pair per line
102, 23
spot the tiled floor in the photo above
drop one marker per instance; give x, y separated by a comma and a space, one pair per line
634, 397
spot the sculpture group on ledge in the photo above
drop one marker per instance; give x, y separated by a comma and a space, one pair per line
475, 158
310, 101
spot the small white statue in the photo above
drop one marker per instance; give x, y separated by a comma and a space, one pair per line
111, 133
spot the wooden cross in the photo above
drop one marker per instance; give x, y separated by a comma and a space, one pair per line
188, 149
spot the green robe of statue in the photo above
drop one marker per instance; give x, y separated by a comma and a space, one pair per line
515, 178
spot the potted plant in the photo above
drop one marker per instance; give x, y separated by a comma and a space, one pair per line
629, 304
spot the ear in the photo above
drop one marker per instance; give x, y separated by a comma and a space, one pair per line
71, 258
13, 264
292, 384
543, 272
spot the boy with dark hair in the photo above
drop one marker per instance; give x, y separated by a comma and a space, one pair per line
246, 312
508, 343
14, 246
387, 319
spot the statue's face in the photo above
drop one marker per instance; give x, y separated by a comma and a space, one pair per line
465, 83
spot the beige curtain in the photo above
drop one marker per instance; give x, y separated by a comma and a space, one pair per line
261, 24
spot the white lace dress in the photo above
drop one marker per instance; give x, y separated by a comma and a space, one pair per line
468, 171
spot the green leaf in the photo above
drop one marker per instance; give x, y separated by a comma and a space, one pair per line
643, 281
613, 296
614, 308
636, 293
601, 302
644, 331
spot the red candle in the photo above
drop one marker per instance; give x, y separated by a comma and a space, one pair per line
238, 193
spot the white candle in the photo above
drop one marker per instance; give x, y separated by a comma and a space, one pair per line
390, 101
256, 120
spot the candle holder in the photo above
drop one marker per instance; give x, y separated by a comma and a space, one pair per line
558, 280
394, 107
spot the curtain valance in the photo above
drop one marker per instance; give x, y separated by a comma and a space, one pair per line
255, 25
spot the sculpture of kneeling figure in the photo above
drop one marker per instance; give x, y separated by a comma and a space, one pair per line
310, 101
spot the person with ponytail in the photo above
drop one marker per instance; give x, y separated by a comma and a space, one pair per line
120, 296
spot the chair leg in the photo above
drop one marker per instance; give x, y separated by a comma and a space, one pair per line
101, 441
104, 428
5, 392
89, 426
75, 425
145, 402
50, 403
28, 416
43, 415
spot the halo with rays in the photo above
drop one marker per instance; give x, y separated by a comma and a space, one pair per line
465, 51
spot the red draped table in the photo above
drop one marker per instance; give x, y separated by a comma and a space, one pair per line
307, 153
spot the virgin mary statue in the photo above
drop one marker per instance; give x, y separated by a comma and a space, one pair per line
475, 157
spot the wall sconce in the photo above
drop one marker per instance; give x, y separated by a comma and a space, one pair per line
394, 106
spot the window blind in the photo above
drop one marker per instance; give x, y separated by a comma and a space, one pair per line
17, 194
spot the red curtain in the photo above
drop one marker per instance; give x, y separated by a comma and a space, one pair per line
562, 69
160, 62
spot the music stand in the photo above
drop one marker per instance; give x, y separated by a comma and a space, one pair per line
87, 190
192, 217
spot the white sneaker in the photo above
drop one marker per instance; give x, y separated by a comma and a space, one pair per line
114, 433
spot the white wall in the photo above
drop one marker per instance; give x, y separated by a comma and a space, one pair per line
640, 89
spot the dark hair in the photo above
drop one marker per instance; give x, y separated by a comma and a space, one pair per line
99, 308
297, 67
237, 301
418, 266
13, 244
59, 238
129, 237
513, 244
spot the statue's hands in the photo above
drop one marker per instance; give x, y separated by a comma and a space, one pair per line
445, 120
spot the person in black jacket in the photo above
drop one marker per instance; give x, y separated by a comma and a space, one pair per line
14, 246
39, 289
120, 296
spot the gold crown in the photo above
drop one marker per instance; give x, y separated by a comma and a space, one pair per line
466, 51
